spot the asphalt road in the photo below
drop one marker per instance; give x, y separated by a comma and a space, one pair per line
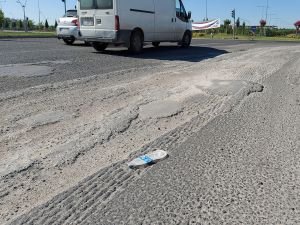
242, 168
231, 130
78, 61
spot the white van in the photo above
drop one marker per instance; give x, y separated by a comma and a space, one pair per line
133, 22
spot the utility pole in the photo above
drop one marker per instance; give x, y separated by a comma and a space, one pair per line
64, 1
233, 16
39, 14
267, 8
206, 10
25, 20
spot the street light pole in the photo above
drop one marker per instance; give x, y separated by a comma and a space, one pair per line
206, 9
267, 8
64, 1
39, 14
25, 21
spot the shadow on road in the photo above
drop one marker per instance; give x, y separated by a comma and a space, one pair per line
170, 53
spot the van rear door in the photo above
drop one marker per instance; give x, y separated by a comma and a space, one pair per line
105, 19
97, 18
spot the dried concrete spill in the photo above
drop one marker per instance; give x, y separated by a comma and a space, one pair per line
20, 70
17, 163
44, 118
160, 109
223, 87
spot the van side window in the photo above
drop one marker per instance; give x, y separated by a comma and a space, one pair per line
180, 11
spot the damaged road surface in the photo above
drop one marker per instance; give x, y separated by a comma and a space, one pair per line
229, 122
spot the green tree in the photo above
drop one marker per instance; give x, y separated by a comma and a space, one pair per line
46, 24
20, 24
1, 18
244, 28
262, 23
238, 22
227, 22
30, 24
41, 26
6, 23
13, 24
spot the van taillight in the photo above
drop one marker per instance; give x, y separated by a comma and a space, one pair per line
75, 22
117, 23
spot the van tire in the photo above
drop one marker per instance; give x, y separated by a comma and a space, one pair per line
69, 41
86, 43
136, 42
100, 47
186, 40
156, 44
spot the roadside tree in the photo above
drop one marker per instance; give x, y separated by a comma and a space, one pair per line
1, 19
46, 25
227, 22
262, 23
41, 26
30, 25
20, 24
238, 23
13, 24
297, 25
244, 28
6, 23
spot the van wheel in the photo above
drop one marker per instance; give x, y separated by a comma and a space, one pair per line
186, 40
69, 41
100, 47
136, 42
86, 43
156, 44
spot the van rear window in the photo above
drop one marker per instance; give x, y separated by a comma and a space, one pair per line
96, 4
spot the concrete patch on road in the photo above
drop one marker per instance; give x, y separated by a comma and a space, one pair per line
44, 118
24, 70
294, 79
245, 91
223, 87
16, 163
160, 109
56, 62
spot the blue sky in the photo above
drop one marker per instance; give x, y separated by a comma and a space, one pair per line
283, 13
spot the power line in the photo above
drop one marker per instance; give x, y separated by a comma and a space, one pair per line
1, 3
267, 8
263, 10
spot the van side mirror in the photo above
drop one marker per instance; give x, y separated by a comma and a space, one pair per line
189, 15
